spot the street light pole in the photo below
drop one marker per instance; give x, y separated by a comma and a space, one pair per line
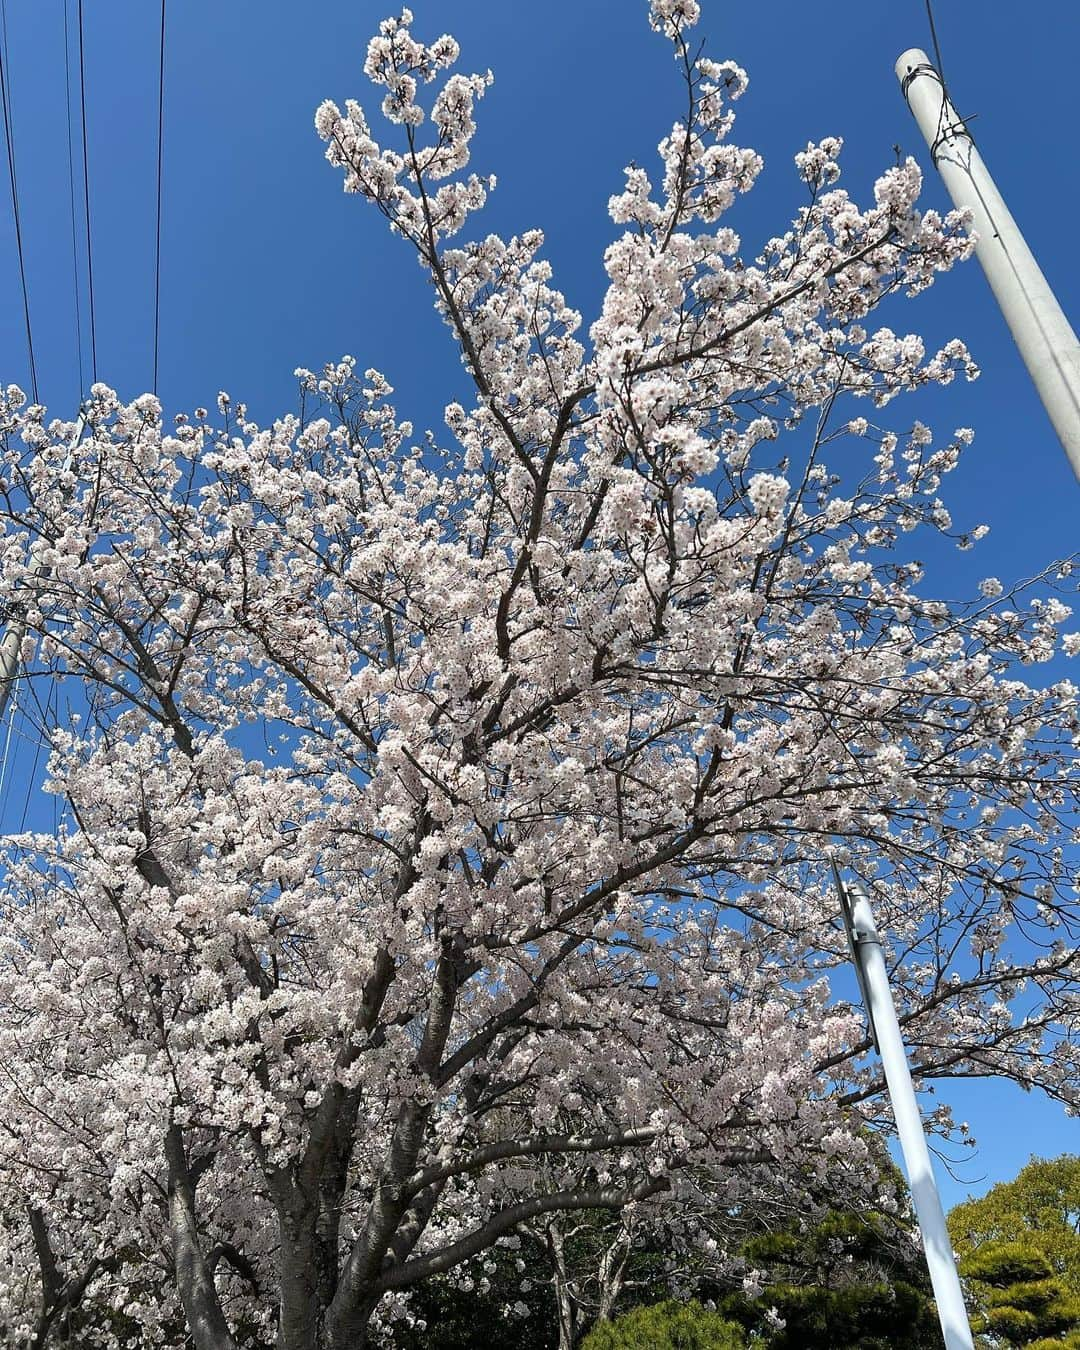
1039, 327
869, 963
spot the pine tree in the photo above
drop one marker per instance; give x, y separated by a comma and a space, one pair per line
1019, 1249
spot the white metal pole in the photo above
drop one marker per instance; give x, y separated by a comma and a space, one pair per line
9, 660
870, 961
15, 633
1040, 329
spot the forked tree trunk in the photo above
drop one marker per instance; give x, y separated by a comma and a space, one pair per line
202, 1308
611, 1273
566, 1307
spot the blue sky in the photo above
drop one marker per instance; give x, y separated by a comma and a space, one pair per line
266, 265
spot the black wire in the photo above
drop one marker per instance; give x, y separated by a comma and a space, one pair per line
160, 146
9, 749
934, 40
86, 197
42, 733
9, 139
71, 200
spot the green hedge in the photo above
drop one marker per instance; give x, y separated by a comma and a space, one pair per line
667, 1326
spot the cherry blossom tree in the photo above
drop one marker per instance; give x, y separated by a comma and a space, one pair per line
448, 818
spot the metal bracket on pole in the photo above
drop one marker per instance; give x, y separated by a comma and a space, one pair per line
869, 961
853, 940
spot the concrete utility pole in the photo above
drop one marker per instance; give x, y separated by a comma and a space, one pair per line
14, 634
1040, 329
869, 963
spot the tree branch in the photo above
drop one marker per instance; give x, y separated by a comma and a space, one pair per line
522, 1148
599, 1197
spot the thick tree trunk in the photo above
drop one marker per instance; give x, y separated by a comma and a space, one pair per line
51, 1282
351, 1330
333, 1182
300, 1313
60, 1295
202, 1308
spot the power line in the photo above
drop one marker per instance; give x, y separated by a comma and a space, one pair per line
71, 199
5, 777
9, 140
86, 198
160, 147
934, 41
31, 729
42, 739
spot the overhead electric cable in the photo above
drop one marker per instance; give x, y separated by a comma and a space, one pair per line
86, 198
9, 140
160, 147
941, 130
42, 738
5, 777
934, 41
71, 199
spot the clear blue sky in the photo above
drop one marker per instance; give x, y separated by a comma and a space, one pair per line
266, 265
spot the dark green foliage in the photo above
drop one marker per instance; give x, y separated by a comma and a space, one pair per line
858, 1317
666, 1326
1020, 1299
849, 1283
1007, 1263
1019, 1249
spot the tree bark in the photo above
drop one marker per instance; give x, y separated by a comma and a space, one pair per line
202, 1308
333, 1183
356, 1294
299, 1311
60, 1295
51, 1282
611, 1273
565, 1303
